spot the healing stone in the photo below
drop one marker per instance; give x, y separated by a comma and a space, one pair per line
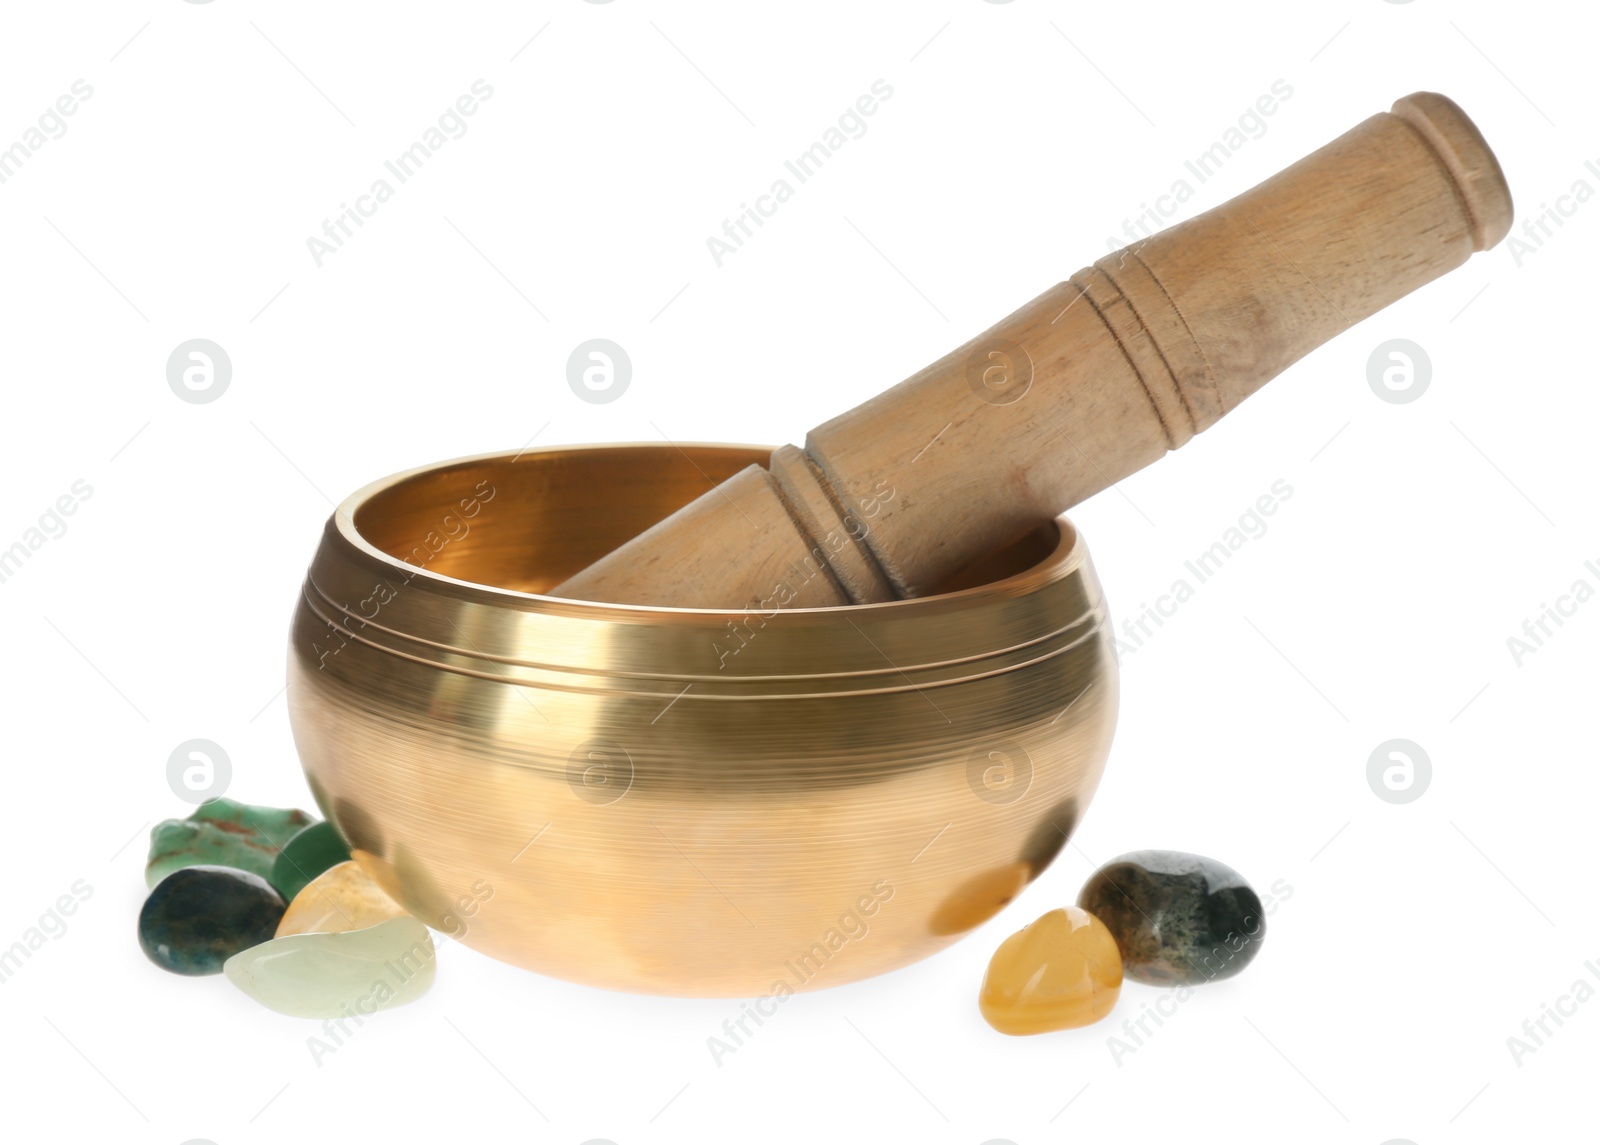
306, 856
199, 917
1177, 918
344, 975
222, 833
341, 898
1060, 971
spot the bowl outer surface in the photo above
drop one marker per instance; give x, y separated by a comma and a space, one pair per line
682, 801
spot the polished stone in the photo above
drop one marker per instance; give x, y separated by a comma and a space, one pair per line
304, 857
341, 898
199, 917
1058, 972
1178, 919
223, 833
345, 975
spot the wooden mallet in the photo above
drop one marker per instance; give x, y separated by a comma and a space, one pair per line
1091, 381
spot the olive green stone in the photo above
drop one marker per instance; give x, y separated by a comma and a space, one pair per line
342, 975
306, 856
1178, 919
222, 833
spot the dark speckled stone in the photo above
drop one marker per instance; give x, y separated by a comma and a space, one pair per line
1177, 918
199, 917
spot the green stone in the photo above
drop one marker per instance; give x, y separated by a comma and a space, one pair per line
306, 856
199, 917
222, 833
348, 974
1178, 919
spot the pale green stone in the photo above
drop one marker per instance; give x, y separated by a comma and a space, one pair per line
347, 974
223, 833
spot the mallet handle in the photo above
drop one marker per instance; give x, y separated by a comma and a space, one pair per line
1091, 381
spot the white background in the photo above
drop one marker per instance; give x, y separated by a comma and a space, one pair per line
1419, 537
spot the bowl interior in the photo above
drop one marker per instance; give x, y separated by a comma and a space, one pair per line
529, 522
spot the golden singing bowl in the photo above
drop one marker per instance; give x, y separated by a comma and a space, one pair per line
683, 801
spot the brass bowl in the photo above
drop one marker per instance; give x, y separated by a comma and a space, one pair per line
683, 801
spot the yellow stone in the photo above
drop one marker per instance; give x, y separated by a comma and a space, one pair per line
340, 899
1058, 972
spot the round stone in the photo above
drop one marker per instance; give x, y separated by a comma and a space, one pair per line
199, 917
1178, 919
306, 856
1060, 971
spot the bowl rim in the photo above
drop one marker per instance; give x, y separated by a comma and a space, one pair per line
1066, 558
